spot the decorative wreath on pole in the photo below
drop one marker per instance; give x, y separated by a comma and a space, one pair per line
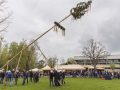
80, 9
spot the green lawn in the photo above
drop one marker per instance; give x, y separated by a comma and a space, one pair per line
71, 84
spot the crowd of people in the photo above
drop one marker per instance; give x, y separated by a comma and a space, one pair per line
56, 78
11, 77
94, 74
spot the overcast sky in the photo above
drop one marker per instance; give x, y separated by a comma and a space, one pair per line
32, 17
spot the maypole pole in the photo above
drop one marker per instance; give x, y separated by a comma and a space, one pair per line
77, 12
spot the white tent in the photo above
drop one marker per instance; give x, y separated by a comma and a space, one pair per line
58, 67
89, 66
35, 70
97, 67
46, 68
69, 67
100, 68
1, 70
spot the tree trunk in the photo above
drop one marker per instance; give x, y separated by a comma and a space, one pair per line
27, 65
94, 67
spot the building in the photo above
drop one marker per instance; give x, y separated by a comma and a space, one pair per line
102, 63
82, 60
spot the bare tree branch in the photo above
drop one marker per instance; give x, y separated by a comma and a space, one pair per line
4, 29
3, 18
94, 51
2, 2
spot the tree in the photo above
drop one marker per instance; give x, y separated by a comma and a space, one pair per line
71, 61
40, 64
28, 56
62, 61
3, 51
112, 66
13, 49
3, 16
94, 51
4, 55
52, 62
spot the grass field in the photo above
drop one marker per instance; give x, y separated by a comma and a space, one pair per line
71, 84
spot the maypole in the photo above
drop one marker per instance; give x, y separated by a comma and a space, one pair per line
77, 12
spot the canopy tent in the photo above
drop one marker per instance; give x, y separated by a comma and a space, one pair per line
46, 68
58, 67
88, 66
35, 70
69, 67
100, 68
1, 70
109, 66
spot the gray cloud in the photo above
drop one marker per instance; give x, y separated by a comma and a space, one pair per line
32, 17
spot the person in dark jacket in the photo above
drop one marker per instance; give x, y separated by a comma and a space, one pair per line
56, 78
31, 76
24, 75
16, 76
63, 77
36, 77
2, 75
27, 76
51, 77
